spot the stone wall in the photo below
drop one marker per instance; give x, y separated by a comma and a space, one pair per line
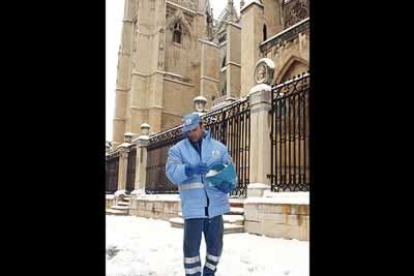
155, 206
278, 220
277, 215
265, 216
109, 201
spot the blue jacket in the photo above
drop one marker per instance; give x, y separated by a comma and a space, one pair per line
196, 192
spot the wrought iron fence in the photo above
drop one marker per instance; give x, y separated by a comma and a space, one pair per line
229, 125
130, 179
157, 181
112, 165
290, 135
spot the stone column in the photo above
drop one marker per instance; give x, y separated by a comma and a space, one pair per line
257, 189
233, 49
260, 148
123, 166
123, 73
141, 161
209, 70
128, 137
252, 20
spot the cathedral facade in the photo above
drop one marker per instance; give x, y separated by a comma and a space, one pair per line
173, 51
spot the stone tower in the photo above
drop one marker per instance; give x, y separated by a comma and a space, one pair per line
166, 59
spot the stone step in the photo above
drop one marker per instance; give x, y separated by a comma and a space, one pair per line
235, 211
236, 204
234, 219
123, 203
229, 228
116, 207
177, 222
116, 212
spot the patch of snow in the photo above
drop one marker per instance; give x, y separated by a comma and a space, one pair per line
124, 145
259, 88
233, 218
135, 246
258, 186
236, 209
173, 197
301, 198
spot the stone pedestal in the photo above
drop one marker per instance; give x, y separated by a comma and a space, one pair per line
260, 147
257, 189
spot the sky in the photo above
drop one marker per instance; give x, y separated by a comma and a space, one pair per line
114, 15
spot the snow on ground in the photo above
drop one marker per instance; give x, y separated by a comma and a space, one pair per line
281, 198
172, 197
139, 246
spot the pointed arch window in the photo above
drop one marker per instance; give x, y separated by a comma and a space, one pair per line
178, 32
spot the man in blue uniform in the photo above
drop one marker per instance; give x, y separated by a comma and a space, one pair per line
203, 204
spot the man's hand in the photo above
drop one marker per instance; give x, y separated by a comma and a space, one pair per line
200, 168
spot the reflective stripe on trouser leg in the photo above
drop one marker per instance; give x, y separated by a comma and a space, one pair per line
192, 271
192, 239
212, 261
213, 233
192, 265
213, 258
191, 260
